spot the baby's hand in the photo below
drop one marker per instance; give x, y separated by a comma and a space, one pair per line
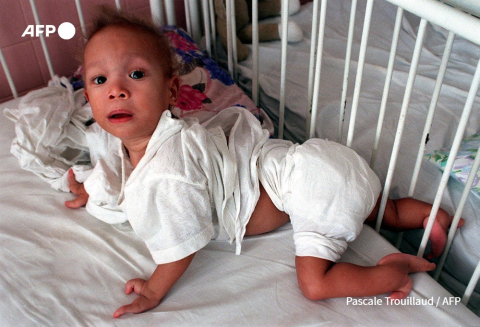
79, 190
146, 301
409, 264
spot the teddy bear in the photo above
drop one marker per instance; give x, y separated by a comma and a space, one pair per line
266, 31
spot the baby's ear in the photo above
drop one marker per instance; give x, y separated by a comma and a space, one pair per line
86, 95
174, 86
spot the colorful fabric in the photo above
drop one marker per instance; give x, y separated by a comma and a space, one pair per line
463, 161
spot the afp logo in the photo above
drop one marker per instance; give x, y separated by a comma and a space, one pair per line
66, 30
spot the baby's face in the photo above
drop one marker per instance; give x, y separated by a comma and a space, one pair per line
125, 83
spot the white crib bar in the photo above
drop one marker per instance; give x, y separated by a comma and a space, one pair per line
386, 88
311, 66
170, 12
441, 14
230, 9
458, 213
255, 58
9, 76
431, 111
80, 17
346, 72
213, 27
361, 63
453, 153
401, 122
207, 27
318, 69
156, 11
283, 68
42, 39
471, 285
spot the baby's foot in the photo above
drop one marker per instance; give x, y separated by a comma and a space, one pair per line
438, 236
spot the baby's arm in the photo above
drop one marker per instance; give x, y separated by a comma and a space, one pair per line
78, 189
153, 290
321, 279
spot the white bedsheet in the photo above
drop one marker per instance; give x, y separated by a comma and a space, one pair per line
462, 258
62, 267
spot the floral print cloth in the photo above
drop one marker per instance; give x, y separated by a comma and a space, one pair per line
463, 161
205, 88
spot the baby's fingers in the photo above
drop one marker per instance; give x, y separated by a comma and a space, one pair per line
411, 262
78, 202
141, 304
403, 291
134, 285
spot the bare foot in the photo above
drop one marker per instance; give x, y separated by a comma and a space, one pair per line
411, 263
438, 236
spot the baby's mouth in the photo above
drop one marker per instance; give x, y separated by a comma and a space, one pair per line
120, 116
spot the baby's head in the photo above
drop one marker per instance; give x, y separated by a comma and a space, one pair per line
110, 17
129, 74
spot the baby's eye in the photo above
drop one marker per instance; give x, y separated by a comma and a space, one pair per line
99, 80
137, 74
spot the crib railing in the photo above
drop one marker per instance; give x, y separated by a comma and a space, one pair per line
430, 11
457, 22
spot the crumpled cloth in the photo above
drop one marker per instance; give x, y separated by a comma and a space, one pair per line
50, 126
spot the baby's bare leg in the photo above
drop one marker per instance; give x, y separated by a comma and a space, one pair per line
266, 217
321, 279
408, 213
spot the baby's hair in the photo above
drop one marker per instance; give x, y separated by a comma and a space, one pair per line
107, 16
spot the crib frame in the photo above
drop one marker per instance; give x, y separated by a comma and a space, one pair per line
457, 22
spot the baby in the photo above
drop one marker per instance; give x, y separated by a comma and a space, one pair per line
180, 184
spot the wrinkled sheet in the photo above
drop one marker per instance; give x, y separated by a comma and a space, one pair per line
463, 256
62, 267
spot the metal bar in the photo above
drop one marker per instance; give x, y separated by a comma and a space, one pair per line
401, 122
206, 26
361, 63
386, 88
9, 76
311, 66
188, 17
255, 45
431, 111
453, 153
80, 17
471, 285
458, 213
343, 101
283, 68
170, 12
228, 5
442, 15
196, 32
42, 40
157, 12
213, 28
318, 69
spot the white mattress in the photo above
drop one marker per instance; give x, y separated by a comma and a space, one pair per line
462, 259
62, 267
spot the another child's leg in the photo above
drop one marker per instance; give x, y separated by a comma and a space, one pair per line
321, 279
409, 213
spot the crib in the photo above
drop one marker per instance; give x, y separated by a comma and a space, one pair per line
396, 80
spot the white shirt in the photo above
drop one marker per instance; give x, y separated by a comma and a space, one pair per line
189, 187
